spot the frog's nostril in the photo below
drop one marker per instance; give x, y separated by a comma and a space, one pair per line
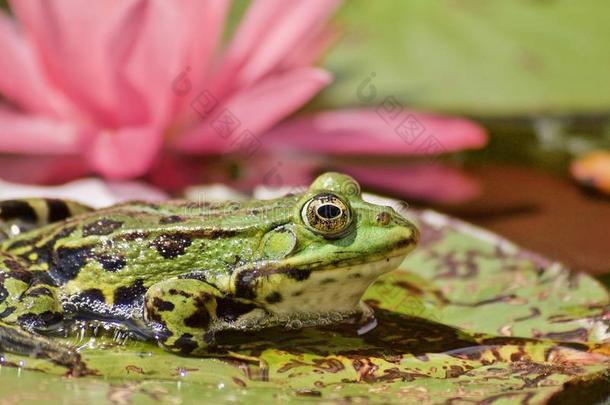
383, 218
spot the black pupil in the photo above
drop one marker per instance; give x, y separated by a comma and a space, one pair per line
329, 211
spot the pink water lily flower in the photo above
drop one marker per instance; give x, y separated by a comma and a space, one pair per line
116, 82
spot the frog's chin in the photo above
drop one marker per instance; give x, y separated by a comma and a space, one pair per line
333, 290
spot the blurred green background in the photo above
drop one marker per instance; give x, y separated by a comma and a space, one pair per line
480, 57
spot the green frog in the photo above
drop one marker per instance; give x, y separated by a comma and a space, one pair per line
187, 270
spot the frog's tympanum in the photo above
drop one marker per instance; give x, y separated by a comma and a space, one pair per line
187, 270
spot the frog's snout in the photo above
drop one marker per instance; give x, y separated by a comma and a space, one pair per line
405, 234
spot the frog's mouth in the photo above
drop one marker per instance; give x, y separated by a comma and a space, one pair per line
393, 257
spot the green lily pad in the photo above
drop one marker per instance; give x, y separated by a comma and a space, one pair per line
468, 317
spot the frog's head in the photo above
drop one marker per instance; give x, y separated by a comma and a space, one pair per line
335, 227
334, 247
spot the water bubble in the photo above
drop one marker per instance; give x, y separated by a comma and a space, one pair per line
294, 324
336, 317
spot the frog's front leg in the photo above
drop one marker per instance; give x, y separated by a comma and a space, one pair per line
181, 311
28, 302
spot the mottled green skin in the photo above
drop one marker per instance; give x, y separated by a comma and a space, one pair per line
187, 270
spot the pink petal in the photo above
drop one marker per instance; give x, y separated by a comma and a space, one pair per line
22, 80
255, 110
126, 152
29, 134
366, 132
425, 181
310, 49
70, 37
270, 30
41, 169
146, 50
204, 21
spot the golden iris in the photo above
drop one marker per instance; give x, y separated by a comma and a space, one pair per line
327, 214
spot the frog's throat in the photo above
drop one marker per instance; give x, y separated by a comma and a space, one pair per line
322, 298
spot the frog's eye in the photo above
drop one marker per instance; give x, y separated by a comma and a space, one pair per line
327, 215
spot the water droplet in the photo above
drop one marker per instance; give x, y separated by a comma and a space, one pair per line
2, 359
294, 324
336, 317
21, 363
221, 386
182, 372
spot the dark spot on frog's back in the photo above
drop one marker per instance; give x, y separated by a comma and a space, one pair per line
171, 245
58, 209
132, 236
112, 262
101, 227
68, 261
172, 219
88, 298
45, 252
130, 295
12, 209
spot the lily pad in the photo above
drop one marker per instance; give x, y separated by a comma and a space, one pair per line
468, 317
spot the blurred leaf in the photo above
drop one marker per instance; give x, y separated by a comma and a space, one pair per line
484, 58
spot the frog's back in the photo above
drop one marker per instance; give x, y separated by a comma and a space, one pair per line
148, 239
